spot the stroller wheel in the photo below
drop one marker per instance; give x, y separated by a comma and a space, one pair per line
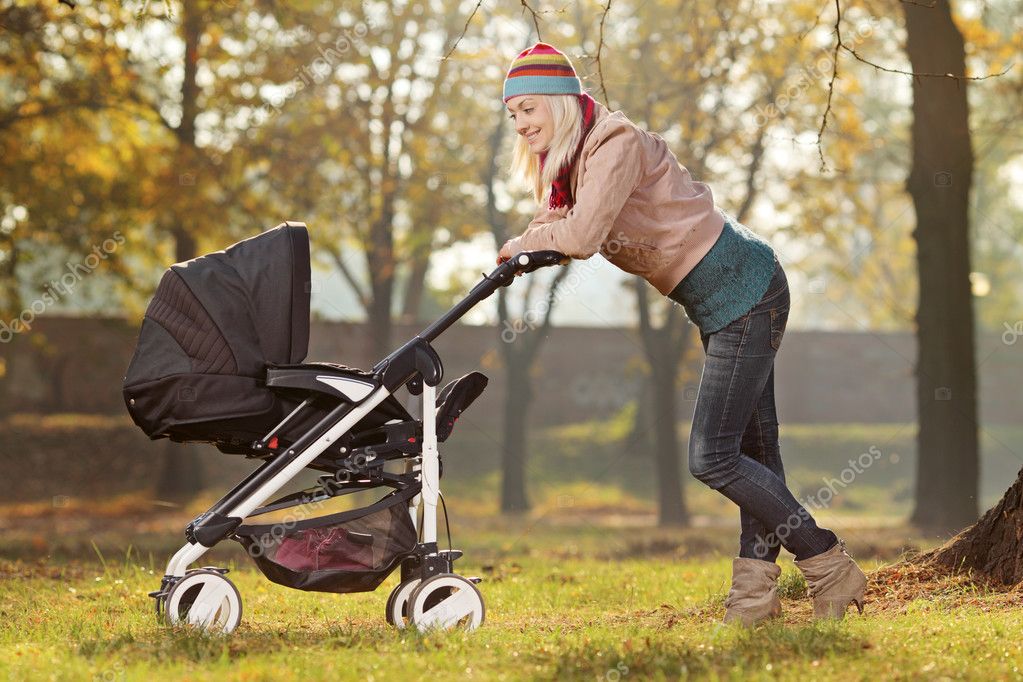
446, 601
204, 599
397, 604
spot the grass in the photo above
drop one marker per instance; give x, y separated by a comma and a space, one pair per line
548, 617
583, 587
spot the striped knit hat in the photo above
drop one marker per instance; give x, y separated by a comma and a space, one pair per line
541, 70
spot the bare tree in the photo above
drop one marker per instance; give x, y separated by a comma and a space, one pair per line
518, 353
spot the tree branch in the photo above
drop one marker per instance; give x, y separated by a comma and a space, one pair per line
840, 45
350, 278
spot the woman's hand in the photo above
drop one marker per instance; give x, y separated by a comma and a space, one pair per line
505, 253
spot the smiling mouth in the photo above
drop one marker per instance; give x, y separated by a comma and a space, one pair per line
532, 136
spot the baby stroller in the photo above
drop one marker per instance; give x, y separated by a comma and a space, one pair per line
220, 359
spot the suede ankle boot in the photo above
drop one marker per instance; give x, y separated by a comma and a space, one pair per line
834, 580
754, 593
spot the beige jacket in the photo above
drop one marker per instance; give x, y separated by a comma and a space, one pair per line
634, 203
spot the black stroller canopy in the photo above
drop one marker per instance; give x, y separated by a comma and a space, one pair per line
214, 325
256, 295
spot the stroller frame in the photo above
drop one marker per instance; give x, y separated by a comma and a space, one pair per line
429, 594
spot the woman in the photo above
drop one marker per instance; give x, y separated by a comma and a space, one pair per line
617, 189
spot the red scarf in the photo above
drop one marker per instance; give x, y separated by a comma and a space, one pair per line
561, 188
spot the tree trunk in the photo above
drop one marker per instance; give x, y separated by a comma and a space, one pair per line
380, 257
663, 348
414, 287
939, 183
518, 353
639, 441
670, 503
993, 547
181, 471
516, 410
379, 320
10, 287
381, 265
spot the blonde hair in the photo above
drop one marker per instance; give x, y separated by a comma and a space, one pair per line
566, 113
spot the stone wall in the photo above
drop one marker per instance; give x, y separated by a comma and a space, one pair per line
76, 365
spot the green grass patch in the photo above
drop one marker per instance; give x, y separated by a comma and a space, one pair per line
563, 618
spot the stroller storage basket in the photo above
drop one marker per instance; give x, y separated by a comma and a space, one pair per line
351, 551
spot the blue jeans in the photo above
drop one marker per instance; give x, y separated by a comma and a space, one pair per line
733, 445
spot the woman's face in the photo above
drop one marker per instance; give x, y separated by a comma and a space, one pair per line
532, 120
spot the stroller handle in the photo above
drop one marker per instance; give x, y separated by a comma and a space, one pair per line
501, 276
528, 261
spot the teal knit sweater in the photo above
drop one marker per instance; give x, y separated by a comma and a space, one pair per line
728, 281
